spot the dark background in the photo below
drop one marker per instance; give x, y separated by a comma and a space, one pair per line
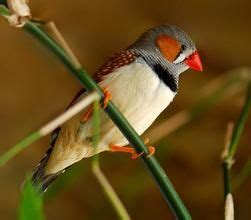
35, 87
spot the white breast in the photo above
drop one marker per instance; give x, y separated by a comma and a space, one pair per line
139, 94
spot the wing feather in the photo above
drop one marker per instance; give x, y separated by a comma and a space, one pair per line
118, 60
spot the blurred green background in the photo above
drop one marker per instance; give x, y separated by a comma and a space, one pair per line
35, 87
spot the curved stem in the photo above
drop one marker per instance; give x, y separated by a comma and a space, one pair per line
154, 167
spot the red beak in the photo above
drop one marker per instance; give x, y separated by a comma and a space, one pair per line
194, 62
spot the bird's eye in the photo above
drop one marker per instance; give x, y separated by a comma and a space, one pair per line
183, 47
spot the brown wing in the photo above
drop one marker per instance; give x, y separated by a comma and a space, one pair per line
118, 60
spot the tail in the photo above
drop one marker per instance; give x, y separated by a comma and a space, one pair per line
40, 180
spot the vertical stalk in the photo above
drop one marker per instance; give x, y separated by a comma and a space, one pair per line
228, 159
226, 178
229, 152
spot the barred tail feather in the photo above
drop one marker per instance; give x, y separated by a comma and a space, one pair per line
40, 180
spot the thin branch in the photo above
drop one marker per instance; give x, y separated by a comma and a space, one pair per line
153, 165
60, 39
110, 192
230, 150
227, 141
231, 142
226, 167
238, 129
13, 151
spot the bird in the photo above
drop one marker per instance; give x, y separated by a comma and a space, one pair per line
141, 81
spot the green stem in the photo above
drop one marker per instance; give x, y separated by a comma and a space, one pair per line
165, 185
235, 138
238, 129
19, 147
46, 129
154, 167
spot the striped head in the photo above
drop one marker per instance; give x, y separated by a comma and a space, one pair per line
170, 47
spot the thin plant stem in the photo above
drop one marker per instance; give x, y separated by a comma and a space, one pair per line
238, 129
227, 178
60, 39
109, 192
14, 150
166, 187
231, 143
228, 159
226, 175
49, 127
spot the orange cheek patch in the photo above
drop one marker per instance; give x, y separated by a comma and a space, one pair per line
169, 47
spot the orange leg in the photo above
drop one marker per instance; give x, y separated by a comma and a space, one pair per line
134, 154
87, 115
106, 99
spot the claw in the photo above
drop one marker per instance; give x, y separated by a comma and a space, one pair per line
136, 155
107, 97
151, 150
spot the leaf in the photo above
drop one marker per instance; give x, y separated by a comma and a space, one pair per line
31, 206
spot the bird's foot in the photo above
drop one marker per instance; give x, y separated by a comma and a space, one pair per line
151, 151
132, 151
107, 97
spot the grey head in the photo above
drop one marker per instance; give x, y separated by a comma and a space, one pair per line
169, 49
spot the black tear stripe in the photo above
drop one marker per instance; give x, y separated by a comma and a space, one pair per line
166, 77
